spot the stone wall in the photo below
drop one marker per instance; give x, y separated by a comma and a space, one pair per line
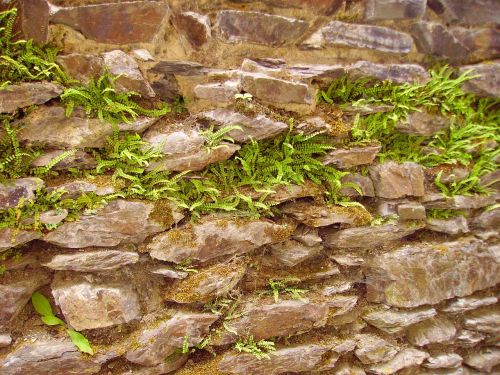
412, 296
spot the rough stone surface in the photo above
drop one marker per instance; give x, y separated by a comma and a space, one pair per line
88, 302
469, 303
80, 159
411, 211
296, 359
292, 252
434, 39
425, 274
431, 331
373, 349
484, 360
456, 225
393, 180
397, 73
422, 123
120, 222
82, 67
92, 261
467, 339
195, 28
10, 237
488, 82
394, 9
364, 183
219, 91
473, 12
405, 358
34, 19
129, 22
5, 340
23, 95
395, 321
255, 27
346, 158
443, 360
484, 320
14, 192
376, 38
157, 343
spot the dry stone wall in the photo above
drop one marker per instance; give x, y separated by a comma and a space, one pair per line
415, 295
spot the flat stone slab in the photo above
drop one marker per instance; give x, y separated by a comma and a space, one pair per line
23, 95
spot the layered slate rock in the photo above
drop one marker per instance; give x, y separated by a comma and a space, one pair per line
485, 320
429, 273
89, 302
443, 360
257, 128
346, 158
394, 9
10, 237
82, 67
218, 92
80, 160
455, 225
34, 16
411, 211
289, 359
422, 123
128, 22
373, 349
92, 261
484, 360
195, 27
165, 337
397, 73
434, 39
49, 356
431, 331
262, 320
215, 236
395, 321
23, 95
48, 126
120, 222
292, 252
405, 358
488, 81
473, 12
255, 27
378, 38
13, 192
326, 7
393, 180
366, 237
469, 303
364, 184
5, 340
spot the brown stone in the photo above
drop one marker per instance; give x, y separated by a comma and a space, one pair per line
81, 67
484, 360
363, 183
395, 321
326, 7
421, 274
431, 331
488, 82
394, 9
218, 92
397, 73
34, 19
10, 237
126, 22
292, 252
469, 303
443, 360
194, 27
373, 349
422, 123
485, 320
472, 12
393, 180
455, 225
411, 211
261, 28
405, 358
483, 43
26, 94
14, 192
346, 158
92, 261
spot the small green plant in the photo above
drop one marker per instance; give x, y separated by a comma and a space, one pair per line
214, 138
381, 220
101, 99
3, 269
48, 169
186, 266
280, 287
443, 214
245, 96
44, 309
260, 349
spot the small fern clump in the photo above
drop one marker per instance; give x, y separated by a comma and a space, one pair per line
260, 349
101, 99
214, 138
284, 286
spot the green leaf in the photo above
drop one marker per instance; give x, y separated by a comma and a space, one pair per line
52, 320
41, 304
80, 341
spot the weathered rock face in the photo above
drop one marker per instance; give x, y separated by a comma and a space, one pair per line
406, 277
351, 157
405, 358
292, 252
435, 330
488, 81
254, 27
455, 225
83, 67
484, 360
373, 349
299, 358
443, 360
214, 237
120, 222
483, 320
92, 261
411, 211
394, 9
195, 27
395, 321
23, 95
397, 73
422, 123
88, 302
156, 344
469, 303
392, 180
12, 192
5, 340
434, 39
48, 356
131, 22
80, 160
473, 12
259, 320
10, 237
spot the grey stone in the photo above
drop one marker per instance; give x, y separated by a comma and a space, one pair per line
220, 92
405, 358
411, 211
307, 236
443, 360
261, 28
455, 225
257, 128
366, 237
77, 188
473, 12
10, 237
181, 68
422, 123
428, 273
484, 360
483, 43
309, 72
395, 321
5, 340
348, 369
80, 160
53, 217
397, 73
214, 236
373, 349
434, 39
431, 331
346, 158
458, 201
488, 219
486, 320
194, 27
469, 303
22, 95
120, 222
158, 342
15, 192
394, 9
393, 180
143, 54
92, 261
488, 82
88, 302
364, 183
174, 363
170, 273
337, 286
346, 259
130, 77
291, 252
376, 38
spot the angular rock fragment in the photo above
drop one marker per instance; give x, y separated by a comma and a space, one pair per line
181, 68
88, 302
157, 343
485, 320
82, 67
393, 180
79, 160
5, 340
14, 192
77, 188
456, 225
488, 81
483, 43
405, 358
435, 330
468, 339
472, 12
411, 211
443, 360
346, 158
469, 303
195, 28
363, 183
484, 360
120, 222
296, 359
373, 349
292, 252
395, 321
219, 92
92, 261
422, 123
127, 22
397, 73
307, 236
422, 274
10, 237
34, 16
22, 95
394, 9
261, 28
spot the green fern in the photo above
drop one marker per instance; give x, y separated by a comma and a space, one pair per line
213, 139
45, 170
260, 349
279, 287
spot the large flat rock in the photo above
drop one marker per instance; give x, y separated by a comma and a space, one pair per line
23, 95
